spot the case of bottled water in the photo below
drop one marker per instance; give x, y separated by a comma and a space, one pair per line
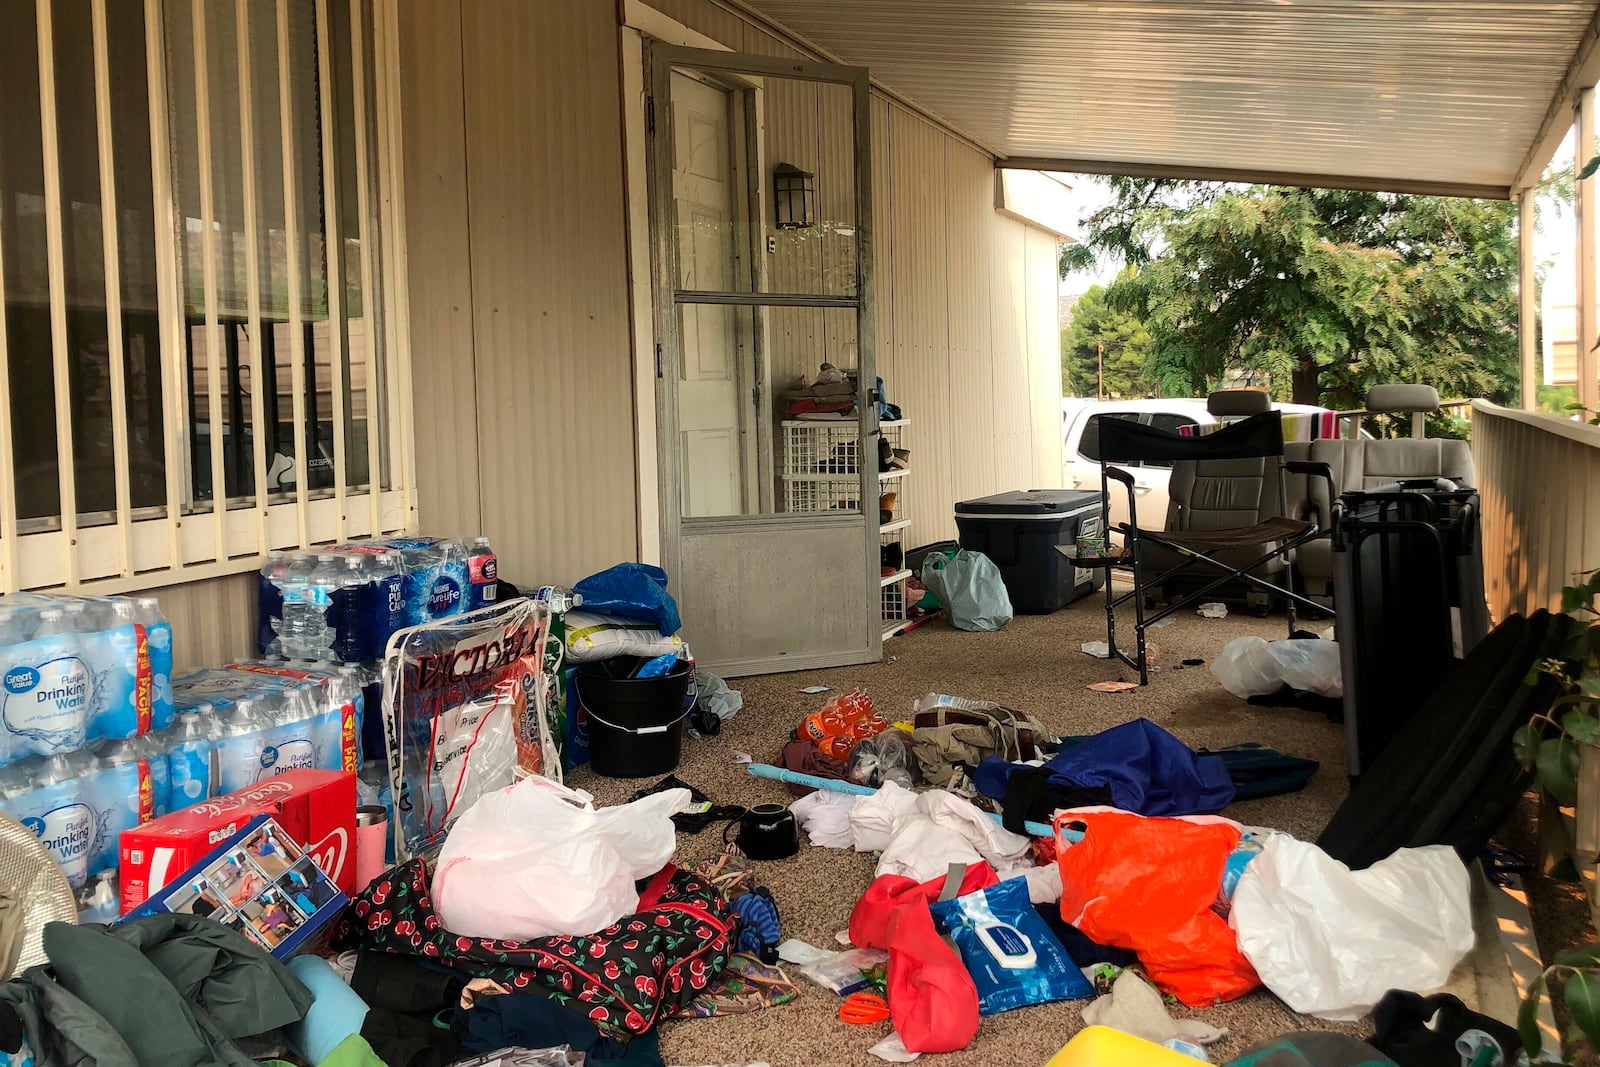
343, 603
276, 717
75, 670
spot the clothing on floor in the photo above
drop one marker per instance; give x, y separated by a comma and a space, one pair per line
1258, 772
1084, 951
1313, 1049
335, 1016
62, 1030
353, 1051
825, 817
1134, 1007
1418, 1031
630, 975
199, 985
919, 835
1032, 795
1289, 697
700, 813
804, 756
945, 737
532, 1020
933, 1002
745, 985
1147, 770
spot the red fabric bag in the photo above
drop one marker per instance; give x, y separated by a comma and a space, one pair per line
1147, 884
932, 1001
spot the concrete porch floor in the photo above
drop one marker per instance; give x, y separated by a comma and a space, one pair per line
1034, 665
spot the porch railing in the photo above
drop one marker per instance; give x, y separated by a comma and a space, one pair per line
1539, 483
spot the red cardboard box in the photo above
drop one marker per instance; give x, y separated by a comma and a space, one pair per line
316, 808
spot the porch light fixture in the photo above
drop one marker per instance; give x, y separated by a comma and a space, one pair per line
794, 196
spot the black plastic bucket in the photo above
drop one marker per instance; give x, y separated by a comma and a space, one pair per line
635, 724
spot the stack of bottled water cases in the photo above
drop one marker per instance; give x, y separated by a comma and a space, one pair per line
341, 604
86, 706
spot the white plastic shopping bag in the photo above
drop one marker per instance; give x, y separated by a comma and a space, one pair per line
538, 859
1331, 941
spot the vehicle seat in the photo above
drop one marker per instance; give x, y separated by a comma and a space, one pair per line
1367, 464
1221, 494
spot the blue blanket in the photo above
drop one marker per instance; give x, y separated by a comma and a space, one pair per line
1146, 769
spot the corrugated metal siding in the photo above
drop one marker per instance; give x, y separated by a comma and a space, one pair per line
1359, 87
550, 284
440, 278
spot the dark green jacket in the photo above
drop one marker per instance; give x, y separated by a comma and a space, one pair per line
162, 991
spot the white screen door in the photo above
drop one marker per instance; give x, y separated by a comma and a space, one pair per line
765, 377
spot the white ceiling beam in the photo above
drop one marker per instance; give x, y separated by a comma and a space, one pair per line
1257, 177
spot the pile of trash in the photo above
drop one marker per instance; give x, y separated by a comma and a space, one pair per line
1031, 869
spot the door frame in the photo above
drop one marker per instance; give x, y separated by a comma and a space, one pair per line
657, 59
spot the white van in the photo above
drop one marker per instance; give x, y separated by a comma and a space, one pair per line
1080, 437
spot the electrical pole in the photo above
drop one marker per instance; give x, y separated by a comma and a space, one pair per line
1100, 371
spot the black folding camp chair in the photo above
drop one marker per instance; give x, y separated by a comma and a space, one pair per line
1251, 549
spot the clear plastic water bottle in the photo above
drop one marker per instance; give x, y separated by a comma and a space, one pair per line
152, 748
17, 623
50, 802
53, 621
123, 799
269, 603
242, 729
192, 757
295, 591
321, 630
348, 600
483, 574
158, 636
291, 742
79, 617
389, 603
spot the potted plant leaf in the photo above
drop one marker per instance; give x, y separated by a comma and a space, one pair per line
1562, 747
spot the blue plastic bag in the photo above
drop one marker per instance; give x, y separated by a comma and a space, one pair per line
633, 591
1011, 954
970, 586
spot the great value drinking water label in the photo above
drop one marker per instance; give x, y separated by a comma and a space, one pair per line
49, 695
291, 750
59, 817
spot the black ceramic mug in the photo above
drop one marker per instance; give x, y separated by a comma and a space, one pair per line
768, 832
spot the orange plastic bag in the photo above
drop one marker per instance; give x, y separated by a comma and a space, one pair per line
840, 723
1148, 885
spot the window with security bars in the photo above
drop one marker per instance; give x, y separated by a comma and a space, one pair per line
197, 355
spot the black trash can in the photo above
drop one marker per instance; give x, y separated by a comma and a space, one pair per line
635, 724
1020, 530
1408, 594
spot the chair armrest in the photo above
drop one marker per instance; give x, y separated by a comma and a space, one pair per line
1117, 473
1315, 469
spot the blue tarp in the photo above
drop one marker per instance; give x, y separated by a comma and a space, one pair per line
1146, 769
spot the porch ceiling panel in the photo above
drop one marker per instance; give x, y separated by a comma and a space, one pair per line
1409, 94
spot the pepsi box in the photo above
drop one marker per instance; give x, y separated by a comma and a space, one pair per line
259, 882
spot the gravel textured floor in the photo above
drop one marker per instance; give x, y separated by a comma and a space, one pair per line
1033, 665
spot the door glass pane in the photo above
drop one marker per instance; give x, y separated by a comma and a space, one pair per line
767, 413
764, 177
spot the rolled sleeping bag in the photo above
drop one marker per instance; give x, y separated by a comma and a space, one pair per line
336, 1014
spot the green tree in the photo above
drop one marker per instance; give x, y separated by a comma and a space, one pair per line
1096, 322
1317, 293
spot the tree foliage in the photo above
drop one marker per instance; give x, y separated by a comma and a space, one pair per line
1127, 348
1317, 293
